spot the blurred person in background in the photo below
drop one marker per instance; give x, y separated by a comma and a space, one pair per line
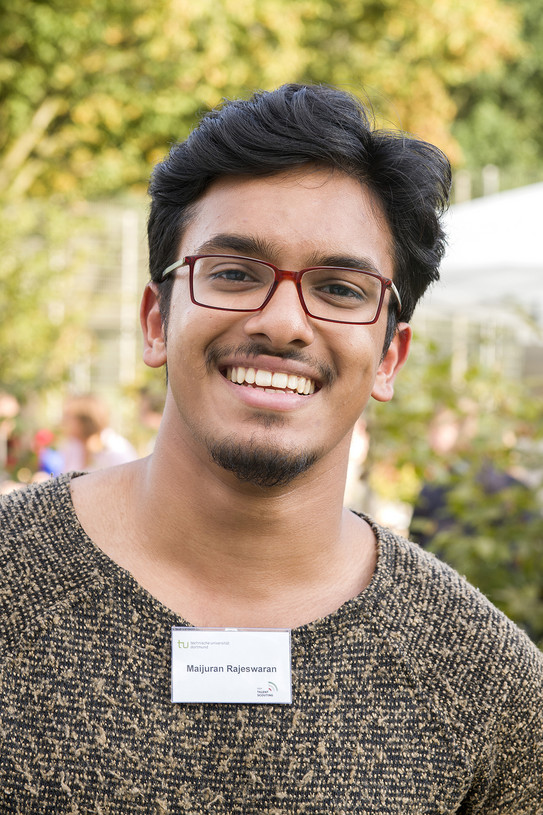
9, 410
151, 407
90, 443
451, 435
49, 459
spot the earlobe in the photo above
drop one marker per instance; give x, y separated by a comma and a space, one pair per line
154, 345
392, 362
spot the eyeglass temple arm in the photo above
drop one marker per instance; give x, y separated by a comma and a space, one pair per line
172, 267
396, 294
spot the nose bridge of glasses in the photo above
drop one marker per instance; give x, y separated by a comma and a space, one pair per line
285, 276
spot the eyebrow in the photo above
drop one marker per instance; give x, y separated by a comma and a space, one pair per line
363, 264
241, 244
264, 250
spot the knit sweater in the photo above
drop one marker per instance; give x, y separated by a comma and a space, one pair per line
415, 697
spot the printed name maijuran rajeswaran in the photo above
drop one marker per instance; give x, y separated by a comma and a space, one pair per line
235, 669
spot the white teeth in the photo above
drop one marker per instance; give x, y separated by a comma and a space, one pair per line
280, 380
263, 378
271, 381
292, 382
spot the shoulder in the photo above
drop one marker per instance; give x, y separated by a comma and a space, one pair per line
45, 557
34, 511
447, 630
481, 675
475, 673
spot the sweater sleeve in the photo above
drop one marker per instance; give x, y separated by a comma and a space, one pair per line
486, 674
513, 762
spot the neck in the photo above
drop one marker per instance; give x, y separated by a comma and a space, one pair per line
223, 553
208, 515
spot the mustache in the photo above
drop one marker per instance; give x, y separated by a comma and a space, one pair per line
326, 374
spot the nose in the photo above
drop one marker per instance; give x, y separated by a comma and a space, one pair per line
282, 321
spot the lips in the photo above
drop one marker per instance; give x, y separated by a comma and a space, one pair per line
271, 380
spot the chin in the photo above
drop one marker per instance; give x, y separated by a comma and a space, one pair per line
264, 467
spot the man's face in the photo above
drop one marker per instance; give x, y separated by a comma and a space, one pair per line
235, 378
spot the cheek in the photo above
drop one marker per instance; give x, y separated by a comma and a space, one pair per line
359, 355
192, 331
357, 371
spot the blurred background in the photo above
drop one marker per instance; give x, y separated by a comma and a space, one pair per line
93, 95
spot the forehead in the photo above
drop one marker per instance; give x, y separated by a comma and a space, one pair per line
297, 218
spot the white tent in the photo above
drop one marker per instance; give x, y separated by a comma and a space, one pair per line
494, 260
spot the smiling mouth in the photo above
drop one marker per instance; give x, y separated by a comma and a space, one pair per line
274, 382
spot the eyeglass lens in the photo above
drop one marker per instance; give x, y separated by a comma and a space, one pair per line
347, 295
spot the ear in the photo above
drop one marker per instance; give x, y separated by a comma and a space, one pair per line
393, 360
154, 345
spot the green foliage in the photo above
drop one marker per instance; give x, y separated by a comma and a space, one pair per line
495, 538
500, 119
39, 331
92, 95
411, 54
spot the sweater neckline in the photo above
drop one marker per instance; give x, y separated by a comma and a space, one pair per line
83, 548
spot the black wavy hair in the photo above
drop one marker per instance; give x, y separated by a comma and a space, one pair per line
299, 125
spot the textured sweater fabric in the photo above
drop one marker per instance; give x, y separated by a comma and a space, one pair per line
415, 697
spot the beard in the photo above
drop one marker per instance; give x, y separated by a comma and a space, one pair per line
262, 467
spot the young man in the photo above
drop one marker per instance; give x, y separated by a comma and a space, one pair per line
289, 244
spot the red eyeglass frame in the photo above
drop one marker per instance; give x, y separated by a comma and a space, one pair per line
279, 275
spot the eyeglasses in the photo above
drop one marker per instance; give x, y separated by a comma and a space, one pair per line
334, 294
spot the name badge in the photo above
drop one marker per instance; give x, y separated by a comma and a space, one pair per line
231, 665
